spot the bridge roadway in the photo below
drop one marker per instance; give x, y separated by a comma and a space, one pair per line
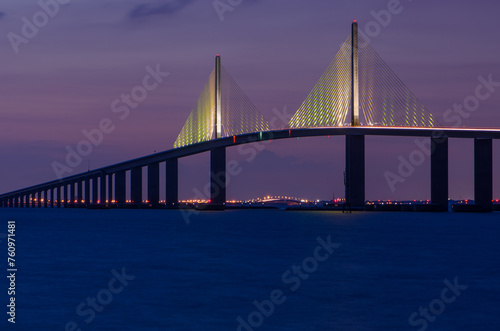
355, 167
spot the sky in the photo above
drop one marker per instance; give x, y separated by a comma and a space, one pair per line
62, 78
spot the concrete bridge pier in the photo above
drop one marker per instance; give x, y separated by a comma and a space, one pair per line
136, 185
102, 189
52, 197
483, 174
87, 191
110, 188
172, 182
79, 192
67, 194
39, 199
120, 188
439, 173
218, 178
154, 183
45, 198
95, 190
355, 171
72, 190
60, 196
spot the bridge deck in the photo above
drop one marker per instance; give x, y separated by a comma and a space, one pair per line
270, 135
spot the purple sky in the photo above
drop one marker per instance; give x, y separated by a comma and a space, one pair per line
64, 80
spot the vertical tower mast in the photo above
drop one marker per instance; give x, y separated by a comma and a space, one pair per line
218, 108
354, 75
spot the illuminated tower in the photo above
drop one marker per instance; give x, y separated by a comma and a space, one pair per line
218, 108
355, 75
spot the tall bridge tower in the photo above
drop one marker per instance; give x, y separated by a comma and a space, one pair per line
355, 144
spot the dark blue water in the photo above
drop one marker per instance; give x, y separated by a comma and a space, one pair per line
205, 275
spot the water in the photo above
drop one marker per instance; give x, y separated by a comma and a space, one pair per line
205, 275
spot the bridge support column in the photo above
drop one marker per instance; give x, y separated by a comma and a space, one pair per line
87, 191
218, 178
136, 185
45, 198
60, 197
439, 172
483, 173
154, 183
72, 190
102, 189
80, 196
95, 190
67, 194
120, 188
172, 183
110, 188
53, 197
39, 199
355, 171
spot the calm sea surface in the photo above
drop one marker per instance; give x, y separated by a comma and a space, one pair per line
252, 270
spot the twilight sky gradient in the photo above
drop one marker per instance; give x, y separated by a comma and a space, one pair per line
65, 79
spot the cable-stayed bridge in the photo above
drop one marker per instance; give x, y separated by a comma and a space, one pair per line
357, 95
